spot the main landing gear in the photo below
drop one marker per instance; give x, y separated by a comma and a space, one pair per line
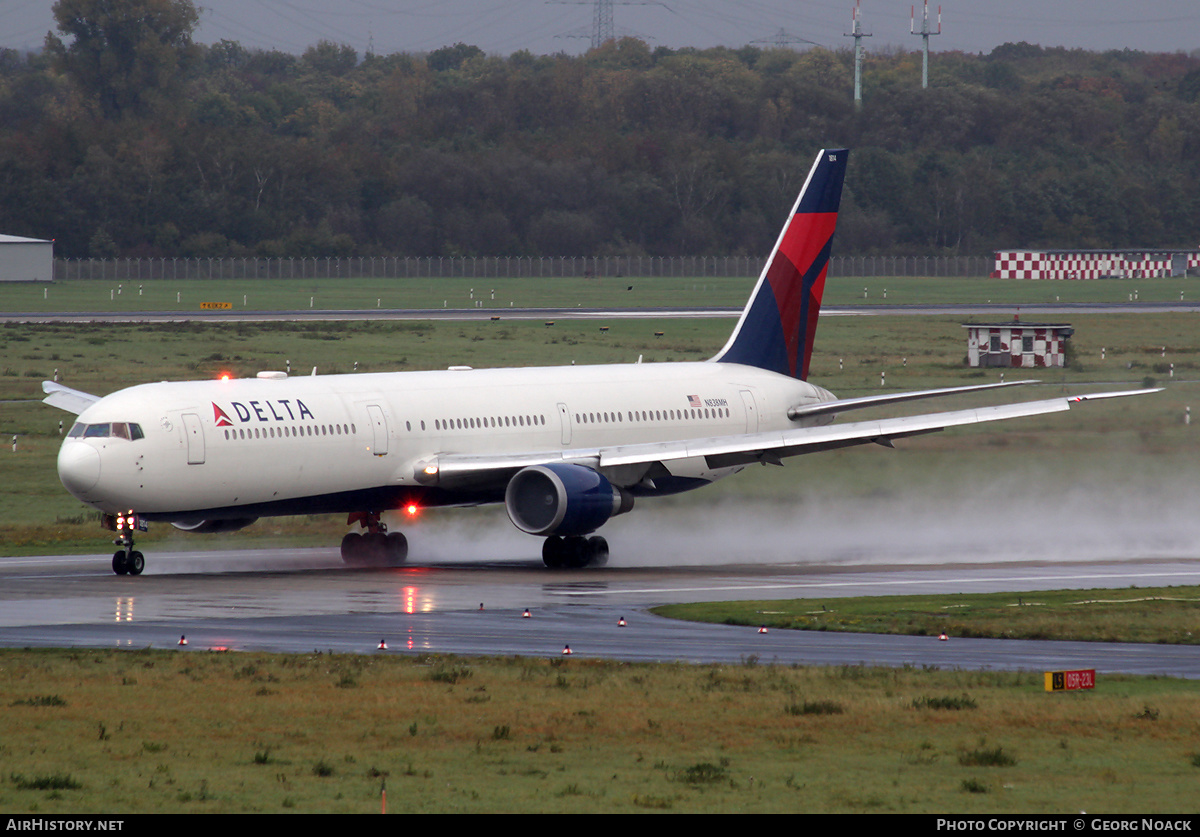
377, 547
574, 552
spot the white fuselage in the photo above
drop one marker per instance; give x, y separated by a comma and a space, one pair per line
289, 445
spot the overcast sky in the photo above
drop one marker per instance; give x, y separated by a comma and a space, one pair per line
550, 26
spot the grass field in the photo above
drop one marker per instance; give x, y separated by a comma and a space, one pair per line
605, 292
1167, 615
90, 731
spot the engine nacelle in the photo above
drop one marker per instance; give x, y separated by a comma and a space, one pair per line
209, 527
562, 499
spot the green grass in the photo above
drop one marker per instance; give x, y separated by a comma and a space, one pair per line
360, 293
1168, 615
139, 731
602, 292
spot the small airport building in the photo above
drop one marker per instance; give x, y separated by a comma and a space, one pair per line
26, 259
1016, 344
1094, 264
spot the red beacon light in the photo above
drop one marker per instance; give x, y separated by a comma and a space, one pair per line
412, 509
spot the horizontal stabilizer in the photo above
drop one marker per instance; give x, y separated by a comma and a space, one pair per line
65, 398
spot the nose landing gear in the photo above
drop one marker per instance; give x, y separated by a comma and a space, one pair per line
126, 560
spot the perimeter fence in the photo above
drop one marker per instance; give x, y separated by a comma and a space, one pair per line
484, 267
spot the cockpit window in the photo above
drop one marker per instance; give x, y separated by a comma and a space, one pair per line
107, 430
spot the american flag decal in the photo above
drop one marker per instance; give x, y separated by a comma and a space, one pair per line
693, 400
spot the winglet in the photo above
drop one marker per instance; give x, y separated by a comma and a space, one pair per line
65, 398
779, 322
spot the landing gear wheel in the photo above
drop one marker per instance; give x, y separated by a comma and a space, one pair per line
397, 548
352, 548
553, 552
598, 551
374, 548
120, 565
575, 553
135, 563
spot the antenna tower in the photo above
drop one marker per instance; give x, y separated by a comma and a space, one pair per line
602, 23
603, 29
925, 33
783, 39
857, 34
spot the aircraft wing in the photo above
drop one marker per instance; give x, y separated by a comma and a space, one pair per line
65, 398
741, 449
842, 405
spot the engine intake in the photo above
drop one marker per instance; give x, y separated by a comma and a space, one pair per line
562, 499
210, 527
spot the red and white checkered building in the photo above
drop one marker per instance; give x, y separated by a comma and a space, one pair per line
1017, 344
1093, 264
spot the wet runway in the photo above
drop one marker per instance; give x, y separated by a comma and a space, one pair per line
304, 600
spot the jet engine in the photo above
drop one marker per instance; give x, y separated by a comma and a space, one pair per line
562, 499
211, 527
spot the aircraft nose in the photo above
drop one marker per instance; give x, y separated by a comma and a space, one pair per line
78, 467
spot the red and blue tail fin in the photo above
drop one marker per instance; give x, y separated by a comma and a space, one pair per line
777, 328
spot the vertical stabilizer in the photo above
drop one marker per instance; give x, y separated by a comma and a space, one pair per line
777, 327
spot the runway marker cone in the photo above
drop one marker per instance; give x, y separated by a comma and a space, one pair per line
566, 650
763, 629
481, 605
383, 645
182, 639
525, 615
942, 637
621, 622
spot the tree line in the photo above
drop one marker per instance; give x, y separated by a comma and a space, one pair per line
124, 137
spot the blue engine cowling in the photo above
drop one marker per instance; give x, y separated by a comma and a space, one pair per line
562, 499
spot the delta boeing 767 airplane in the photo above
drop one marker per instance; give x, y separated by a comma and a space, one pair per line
564, 448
